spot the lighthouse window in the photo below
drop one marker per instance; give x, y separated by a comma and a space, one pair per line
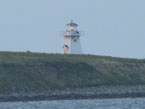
75, 40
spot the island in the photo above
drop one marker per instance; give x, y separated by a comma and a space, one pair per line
27, 76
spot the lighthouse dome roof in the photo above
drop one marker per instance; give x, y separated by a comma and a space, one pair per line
72, 24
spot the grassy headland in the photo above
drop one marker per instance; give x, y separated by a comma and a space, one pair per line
38, 72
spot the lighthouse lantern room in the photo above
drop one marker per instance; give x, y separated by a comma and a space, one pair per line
71, 43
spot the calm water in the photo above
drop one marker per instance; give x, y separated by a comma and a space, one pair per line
125, 103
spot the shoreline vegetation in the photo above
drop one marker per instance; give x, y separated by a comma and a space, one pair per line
26, 76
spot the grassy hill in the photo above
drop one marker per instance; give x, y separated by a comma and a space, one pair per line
34, 72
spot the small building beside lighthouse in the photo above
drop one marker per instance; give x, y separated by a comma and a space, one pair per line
71, 44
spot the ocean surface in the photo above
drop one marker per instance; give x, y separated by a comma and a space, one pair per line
123, 103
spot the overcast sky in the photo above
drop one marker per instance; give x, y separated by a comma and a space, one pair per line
111, 27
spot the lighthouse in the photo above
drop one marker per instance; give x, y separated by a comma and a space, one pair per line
71, 44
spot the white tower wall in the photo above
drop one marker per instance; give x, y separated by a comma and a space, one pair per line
67, 41
75, 47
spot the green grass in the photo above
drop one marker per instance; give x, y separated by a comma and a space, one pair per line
34, 72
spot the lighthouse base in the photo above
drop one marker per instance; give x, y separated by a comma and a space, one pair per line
71, 47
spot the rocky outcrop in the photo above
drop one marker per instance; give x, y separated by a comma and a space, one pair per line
79, 93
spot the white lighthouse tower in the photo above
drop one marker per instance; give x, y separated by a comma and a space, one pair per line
71, 43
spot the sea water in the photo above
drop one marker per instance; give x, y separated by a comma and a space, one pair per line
123, 103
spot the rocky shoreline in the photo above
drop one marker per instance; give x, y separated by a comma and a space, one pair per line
78, 93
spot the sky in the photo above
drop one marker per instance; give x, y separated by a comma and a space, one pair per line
111, 27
